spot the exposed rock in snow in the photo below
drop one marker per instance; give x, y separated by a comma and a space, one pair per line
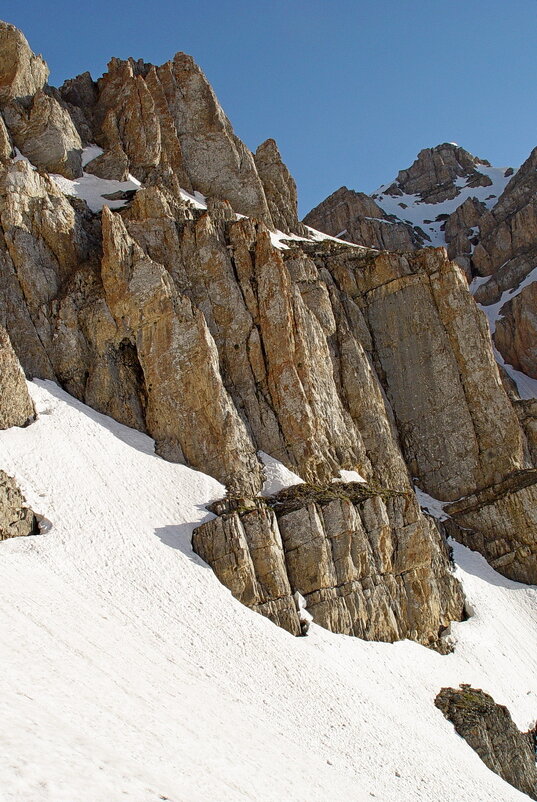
489, 729
367, 564
16, 520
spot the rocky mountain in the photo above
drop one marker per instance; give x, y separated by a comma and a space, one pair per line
484, 216
156, 270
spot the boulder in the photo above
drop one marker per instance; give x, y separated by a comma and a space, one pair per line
16, 519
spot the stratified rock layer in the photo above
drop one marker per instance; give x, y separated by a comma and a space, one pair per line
367, 563
501, 523
489, 729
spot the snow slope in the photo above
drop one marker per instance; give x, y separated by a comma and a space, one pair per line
412, 209
130, 673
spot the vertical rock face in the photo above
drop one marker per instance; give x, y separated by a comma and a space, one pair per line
280, 188
485, 216
433, 350
16, 407
366, 564
22, 73
501, 523
187, 409
461, 231
218, 163
6, 148
488, 728
509, 229
168, 126
516, 331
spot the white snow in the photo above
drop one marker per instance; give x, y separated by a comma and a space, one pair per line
349, 476
198, 200
91, 189
319, 236
431, 505
129, 672
91, 152
277, 476
303, 615
412, 209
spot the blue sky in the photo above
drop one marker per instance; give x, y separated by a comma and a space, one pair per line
351, 90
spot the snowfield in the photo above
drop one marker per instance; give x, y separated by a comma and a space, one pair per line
130, 673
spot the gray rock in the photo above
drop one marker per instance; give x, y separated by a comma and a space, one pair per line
355, 217
46, 135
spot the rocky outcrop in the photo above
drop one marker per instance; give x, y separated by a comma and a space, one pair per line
526, 411
112, 165
6, 148
509, 230
22, 73
16, 407
187, 408
166, 124
366, 562
433, 175
16, 519
489, 729
355, 217
280, 188
501, 523
46, 135
193, 327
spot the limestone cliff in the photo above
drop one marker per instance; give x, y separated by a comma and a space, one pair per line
179, 314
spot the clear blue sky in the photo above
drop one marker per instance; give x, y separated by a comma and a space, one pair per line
350, 89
